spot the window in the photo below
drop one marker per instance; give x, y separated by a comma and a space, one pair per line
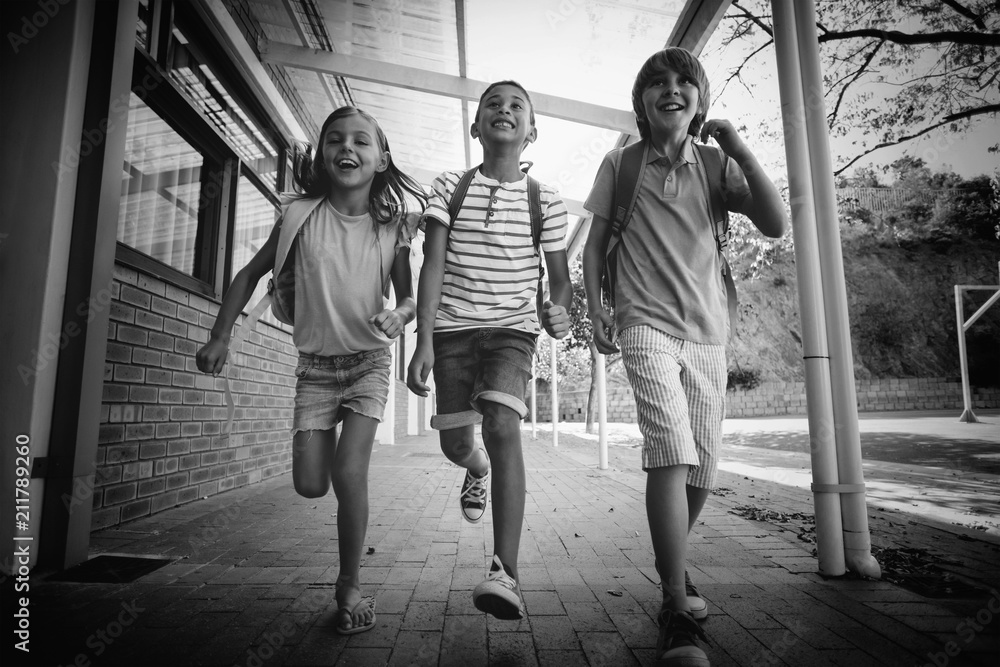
255, 217
202, 164
161, 190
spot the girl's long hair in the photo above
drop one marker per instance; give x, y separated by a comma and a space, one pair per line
387, 197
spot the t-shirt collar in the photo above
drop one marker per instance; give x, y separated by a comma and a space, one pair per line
685, 156
492, 182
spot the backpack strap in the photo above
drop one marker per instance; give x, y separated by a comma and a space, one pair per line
712, 162
458, 196
631, 168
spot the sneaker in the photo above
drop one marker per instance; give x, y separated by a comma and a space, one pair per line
676, 644
474, 495
699, 608
697, 604
498, 595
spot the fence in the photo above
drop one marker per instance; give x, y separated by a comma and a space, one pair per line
789, 398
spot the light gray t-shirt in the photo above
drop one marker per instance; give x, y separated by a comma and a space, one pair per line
669, 267
341, 266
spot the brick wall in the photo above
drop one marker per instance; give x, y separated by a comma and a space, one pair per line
161, 440
789, 398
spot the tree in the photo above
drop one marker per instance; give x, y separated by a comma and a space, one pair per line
940, 58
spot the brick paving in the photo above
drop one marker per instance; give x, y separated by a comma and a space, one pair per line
252, 571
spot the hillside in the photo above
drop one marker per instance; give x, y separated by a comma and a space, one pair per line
902, 308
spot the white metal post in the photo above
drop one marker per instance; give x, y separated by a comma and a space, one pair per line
534, 399
555, 392
963, 359
602, 409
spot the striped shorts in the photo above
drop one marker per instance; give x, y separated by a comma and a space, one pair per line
680, 394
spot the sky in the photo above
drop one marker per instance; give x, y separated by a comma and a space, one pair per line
591, 50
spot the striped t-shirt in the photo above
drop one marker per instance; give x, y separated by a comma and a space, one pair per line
491, 266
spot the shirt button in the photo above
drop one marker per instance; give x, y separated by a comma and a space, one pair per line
495, 200
491, 213
669, 178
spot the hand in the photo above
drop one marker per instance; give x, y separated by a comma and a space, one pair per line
604, 332
388, 322
212, 356
555, 319
726, 136
419, 368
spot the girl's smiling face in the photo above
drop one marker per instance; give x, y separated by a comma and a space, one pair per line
351, 152
504, 116
670, 102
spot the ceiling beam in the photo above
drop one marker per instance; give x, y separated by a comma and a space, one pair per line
460, 29
435, 83
696, 23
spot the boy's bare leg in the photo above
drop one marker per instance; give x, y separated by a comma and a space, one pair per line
460, 447
502, 437
696, 501
668, 516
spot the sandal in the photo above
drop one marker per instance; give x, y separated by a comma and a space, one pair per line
368, 601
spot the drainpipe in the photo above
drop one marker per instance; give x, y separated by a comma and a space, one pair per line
835, 439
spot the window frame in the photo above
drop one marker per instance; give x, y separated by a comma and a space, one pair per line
217, 217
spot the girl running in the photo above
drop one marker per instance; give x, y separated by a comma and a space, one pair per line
355, 237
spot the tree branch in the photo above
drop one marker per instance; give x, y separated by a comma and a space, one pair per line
976, 19
950, 118
832, 116
953, 36
747, 14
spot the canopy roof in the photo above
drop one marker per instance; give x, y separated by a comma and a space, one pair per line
419, 66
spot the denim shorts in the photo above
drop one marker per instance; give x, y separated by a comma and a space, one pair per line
680, 398
327, 386
486, 364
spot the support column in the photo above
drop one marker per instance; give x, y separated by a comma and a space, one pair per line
842, 536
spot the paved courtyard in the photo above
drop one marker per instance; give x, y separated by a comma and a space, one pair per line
251, 573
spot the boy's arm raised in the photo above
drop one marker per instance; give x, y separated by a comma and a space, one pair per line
593, 268
764, 207
212, 356
428, 298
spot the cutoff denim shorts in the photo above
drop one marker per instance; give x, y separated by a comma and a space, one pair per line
486, 364
328, 386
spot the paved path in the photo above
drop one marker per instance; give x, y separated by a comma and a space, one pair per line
252, 579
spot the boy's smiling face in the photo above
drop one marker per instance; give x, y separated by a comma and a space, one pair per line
670, 102
504, 117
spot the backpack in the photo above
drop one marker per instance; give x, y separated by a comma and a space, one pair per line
628, 180
534, 210
281, 286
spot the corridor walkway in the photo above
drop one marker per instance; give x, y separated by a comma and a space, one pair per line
251, 573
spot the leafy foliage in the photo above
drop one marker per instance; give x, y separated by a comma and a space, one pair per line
928, 207
941, 59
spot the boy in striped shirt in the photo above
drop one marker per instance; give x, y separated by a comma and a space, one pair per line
477, 323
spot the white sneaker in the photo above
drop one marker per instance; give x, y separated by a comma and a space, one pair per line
475, 491
498, 595
697, 604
